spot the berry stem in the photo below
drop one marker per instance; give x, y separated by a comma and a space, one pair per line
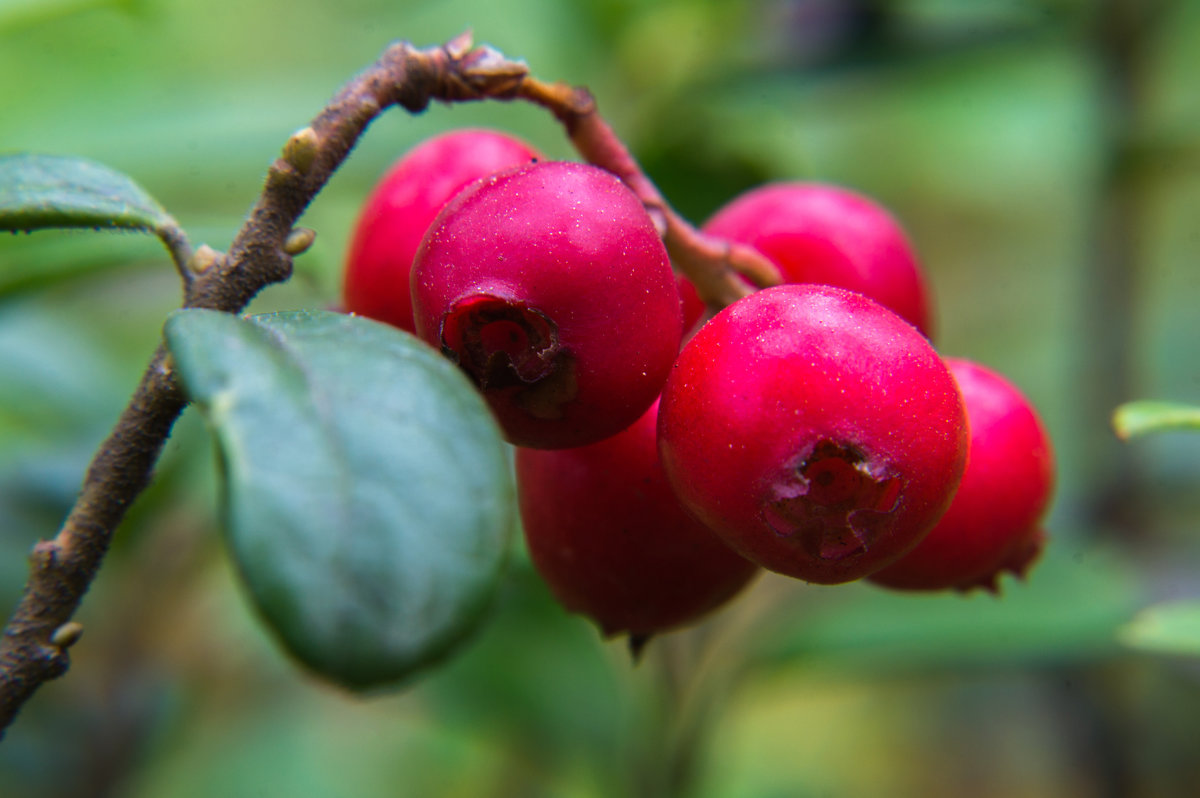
712, 264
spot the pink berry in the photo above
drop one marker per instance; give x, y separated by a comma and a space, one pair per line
612, 541
402, 206
818, 233
550, 287
689, 299
994, 523
815, 431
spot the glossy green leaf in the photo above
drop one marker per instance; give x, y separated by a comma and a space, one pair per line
368, 497
1172, 627
44, 191
1138, 418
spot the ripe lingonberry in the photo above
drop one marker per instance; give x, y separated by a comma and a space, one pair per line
814, 430
550, 287
994, 523
819, 233
689, 299
612, 541
402, 206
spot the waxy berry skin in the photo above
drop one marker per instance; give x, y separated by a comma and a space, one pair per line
815, 431
400, 209
691, 303
994, 523
819, 233
550, 287
613, 543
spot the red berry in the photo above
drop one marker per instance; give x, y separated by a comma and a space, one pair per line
613, 542
814, 430
550, 287
689, 299
403, 205
994, 523
817, 233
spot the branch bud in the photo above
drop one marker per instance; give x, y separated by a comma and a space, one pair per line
301, 149
299, 240
203, 259
67, 635
461, 44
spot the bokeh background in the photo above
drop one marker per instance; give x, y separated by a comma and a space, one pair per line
1043, 154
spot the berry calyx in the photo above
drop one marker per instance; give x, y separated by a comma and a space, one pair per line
507, 348
815, 431
550, 287
825, 234
613, 543
400, 209
994, 522
835, 507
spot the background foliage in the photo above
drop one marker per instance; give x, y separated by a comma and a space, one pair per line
1048, 176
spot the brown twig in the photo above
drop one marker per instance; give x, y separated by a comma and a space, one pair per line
34, 647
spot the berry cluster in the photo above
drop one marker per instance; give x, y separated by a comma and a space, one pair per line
809, 428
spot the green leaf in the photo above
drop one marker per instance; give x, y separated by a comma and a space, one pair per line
1172, 627
367, 493
1138, 418
43, 191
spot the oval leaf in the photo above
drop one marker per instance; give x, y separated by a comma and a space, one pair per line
41, 191
1172, 627
368, 499
1138, 418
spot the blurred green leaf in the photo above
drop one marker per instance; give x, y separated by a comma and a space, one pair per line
1172, 627
43, 191
19, 13
539, 677
32, 263
1069, 610
62, 383
368, 500
57, 379
1139, 418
